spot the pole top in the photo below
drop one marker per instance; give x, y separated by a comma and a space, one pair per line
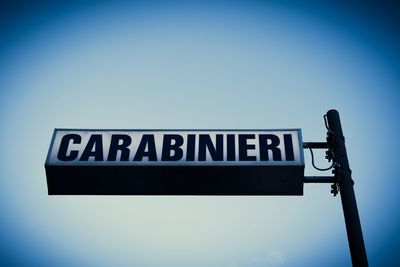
332, 111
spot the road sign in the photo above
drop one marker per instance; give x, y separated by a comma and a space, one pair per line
201, 162
175, 162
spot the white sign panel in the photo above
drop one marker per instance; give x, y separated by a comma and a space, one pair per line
176, 148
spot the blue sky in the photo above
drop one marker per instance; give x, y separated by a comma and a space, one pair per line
242, 65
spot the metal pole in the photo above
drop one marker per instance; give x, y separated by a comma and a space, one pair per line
350, 211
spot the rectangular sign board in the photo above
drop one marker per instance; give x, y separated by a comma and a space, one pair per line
175, 162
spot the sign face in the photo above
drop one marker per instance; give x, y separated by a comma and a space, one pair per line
175, 162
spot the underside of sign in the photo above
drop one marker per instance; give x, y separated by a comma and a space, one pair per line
175, 162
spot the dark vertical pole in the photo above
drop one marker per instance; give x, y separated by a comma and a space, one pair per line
350, 211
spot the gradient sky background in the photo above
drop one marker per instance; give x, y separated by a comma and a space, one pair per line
255, 65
